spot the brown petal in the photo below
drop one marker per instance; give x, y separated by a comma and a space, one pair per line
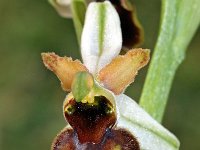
132, 31
64, 67
117, 75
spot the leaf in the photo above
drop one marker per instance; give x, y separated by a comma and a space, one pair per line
64, 67
179, 21
121, 72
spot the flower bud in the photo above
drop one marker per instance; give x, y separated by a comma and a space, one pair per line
62, 7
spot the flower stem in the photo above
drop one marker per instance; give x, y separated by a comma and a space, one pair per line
179, 21
78, 8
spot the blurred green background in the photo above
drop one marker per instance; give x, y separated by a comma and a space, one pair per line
31, 97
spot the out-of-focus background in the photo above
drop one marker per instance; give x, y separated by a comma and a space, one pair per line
31, 97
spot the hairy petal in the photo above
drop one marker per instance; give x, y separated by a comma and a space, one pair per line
64, 67
117, 75
101, 38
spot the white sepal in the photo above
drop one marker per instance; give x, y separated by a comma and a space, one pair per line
101, 38
149, 133
62, 7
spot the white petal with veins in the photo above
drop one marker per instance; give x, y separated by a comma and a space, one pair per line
101, 38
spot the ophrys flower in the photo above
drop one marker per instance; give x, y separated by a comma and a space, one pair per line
100, 116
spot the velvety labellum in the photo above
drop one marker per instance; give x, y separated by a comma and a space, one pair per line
90, 121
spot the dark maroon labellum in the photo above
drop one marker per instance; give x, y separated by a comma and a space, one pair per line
113, 140
90, 121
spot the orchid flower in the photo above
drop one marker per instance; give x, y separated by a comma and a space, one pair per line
98, 114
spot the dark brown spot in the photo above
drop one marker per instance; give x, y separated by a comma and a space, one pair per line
90, 121
115, 138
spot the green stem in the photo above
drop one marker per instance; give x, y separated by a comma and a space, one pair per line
179, 21
78, 8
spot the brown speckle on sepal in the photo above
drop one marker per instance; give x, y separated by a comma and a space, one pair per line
122, 70
64, 67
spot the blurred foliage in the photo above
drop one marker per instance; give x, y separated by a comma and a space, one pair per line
31, 97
